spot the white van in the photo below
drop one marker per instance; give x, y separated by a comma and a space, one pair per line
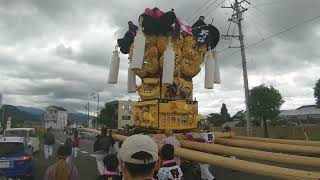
28, 133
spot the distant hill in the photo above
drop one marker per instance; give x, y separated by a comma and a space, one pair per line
31, 110
78, 118
21, 114
17, 115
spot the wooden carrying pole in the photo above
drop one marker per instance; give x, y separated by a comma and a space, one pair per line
280, 141
240, 165
255, 154
268, 146
246, 153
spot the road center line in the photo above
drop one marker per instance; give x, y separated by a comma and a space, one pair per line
93, 155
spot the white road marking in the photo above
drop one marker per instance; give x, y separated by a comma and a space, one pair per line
84, 152
59, 142
93, 155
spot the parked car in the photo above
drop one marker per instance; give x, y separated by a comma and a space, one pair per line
28, 133
15, 158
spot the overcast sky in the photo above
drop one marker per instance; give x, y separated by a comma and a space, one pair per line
57, 51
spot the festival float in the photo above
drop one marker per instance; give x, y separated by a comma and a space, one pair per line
165, 52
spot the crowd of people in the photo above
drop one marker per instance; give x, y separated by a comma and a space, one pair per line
136, 158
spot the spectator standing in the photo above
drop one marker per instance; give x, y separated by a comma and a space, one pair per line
49, 141
110, 168
75, 145
112, 148
170, 139
138, 157
101, 148
169, 169
62, 170
68, 144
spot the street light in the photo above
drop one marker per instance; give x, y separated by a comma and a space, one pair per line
95, 95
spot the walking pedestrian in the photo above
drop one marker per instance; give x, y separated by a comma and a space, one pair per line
110, 168
68, 144
75, 145
62, 170
101, 148
170, 139
49, 141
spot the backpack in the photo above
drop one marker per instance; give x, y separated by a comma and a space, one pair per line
105, 143
49, 139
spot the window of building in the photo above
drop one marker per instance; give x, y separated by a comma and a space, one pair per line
126, 118
126, 107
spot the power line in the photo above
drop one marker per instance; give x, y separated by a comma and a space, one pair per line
215, 8
193, 18
277, 34
194, 13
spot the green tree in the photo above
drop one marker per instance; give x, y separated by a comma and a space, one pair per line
265, 103
225, 116
214, 119
109, 116
317, 93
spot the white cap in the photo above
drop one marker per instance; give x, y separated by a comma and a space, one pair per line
138, 143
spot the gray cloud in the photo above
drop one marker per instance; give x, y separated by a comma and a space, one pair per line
56, 52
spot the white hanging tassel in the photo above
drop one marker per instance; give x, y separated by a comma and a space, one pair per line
217, 79
138, 50
168, 64
114, 67
209, 70
131, 84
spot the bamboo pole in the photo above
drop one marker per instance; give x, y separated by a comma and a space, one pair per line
240, 165
246, 153
268, 146
249, 153
280, 141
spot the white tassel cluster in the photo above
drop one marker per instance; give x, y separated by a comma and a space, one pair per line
168, 64
212, 71
217, 79
114, 67
138, 50
131, 83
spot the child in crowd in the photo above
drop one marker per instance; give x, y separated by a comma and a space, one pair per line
110, 168
169, 169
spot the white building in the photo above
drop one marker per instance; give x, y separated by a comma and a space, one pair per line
123, 113
55, 117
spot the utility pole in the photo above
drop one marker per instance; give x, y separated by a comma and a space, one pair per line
97, 110
88, 117
236, 18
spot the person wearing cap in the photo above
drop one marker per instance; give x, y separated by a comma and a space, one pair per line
138, 157
170, 139
169, 169
208, 138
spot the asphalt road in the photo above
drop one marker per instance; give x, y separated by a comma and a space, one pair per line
87, 166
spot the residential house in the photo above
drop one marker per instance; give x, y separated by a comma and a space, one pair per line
55, 117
